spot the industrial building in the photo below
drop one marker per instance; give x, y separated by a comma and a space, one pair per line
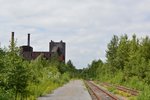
59, 48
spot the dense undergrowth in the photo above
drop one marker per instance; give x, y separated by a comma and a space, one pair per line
127, 64
26, 80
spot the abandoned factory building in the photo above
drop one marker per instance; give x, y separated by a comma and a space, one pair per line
54, 48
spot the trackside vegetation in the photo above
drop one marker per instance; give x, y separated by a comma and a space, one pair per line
127, 63
27, 80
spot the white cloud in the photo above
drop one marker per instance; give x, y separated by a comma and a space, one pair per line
86, 25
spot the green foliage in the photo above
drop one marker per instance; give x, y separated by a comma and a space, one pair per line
22, 80
4, 95
145, 95
127, 63
111, 53
122, 53
93, 70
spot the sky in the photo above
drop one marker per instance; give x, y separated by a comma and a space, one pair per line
86, 26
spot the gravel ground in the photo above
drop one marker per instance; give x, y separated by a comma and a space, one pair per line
74, 90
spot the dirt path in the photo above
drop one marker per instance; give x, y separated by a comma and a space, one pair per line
74, 90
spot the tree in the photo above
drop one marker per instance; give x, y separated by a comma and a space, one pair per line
15, 72
18, 79
70, 65
111, 54
122, 52
132, 61
144, 48
143, 59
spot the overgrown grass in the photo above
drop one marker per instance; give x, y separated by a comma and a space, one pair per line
42, 89
133, 83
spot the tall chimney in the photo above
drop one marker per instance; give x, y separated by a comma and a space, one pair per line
12, 37
12, 41
28, 39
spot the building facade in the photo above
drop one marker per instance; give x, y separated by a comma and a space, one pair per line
58, 48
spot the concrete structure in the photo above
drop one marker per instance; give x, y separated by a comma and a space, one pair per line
26, 51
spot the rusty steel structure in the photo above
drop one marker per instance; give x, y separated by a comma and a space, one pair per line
59, 48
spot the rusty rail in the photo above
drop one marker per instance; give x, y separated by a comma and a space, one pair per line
96, 90
130, 91
124, 89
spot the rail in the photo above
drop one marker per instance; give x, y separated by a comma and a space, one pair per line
100, 93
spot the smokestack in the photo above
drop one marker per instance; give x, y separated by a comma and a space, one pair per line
12, 37
12, 41
28, 39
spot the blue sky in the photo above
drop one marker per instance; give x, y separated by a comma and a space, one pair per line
86, 26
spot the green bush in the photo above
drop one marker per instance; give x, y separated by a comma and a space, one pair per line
145, 94
26, 80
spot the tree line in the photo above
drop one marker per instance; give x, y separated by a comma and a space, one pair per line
127, 63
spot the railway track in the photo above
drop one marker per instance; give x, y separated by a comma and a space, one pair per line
100, 94
124, 89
